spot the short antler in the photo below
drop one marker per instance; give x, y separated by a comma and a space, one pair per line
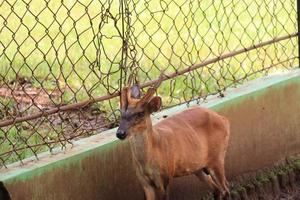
133, 93
123, 98
151, 91
130, 94
160, 80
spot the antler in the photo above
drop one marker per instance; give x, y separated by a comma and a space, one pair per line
151, 91
126, 97
160, 79
133, 93
123, 98
130, 78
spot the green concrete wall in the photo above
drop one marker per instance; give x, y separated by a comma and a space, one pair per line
264, 116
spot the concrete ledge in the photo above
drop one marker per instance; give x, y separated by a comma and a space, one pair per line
264, 116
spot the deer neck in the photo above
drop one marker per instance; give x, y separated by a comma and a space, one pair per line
141, 144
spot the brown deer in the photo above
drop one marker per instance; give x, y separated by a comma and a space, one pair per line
191, 142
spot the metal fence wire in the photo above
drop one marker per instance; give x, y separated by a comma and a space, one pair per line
64, 62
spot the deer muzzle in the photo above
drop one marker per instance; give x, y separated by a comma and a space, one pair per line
121, 134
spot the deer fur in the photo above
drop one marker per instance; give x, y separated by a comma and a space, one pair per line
191, 142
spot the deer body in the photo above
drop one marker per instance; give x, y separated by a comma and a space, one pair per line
191, 142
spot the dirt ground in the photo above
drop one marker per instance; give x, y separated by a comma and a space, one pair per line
291, 195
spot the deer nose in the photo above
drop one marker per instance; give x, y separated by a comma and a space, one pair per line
121, 134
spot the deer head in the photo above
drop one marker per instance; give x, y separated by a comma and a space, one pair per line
135, 109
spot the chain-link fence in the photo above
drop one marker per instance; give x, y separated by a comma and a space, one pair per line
63, 62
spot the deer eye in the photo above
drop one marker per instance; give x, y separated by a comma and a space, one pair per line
140, 114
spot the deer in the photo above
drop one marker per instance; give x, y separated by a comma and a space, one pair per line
193, 141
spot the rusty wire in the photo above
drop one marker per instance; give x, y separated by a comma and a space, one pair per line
63, 63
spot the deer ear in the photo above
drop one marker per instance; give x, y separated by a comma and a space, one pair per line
154, 104
123, 98
136, 92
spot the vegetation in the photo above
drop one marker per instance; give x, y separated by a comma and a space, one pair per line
75, 47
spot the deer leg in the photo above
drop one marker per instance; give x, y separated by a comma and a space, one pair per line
166, 189
162, 195
162, 185
167, 192
202, 176
149, 192
206, 177
227, 183
218, 175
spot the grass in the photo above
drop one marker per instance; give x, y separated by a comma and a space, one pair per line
167, 35
76, 45
269, 176
21, 141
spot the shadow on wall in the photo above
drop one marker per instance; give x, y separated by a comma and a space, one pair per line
4, 195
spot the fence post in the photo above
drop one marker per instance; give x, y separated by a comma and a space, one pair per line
125, 39
298, 23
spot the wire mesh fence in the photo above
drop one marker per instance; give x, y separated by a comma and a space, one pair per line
63, 63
